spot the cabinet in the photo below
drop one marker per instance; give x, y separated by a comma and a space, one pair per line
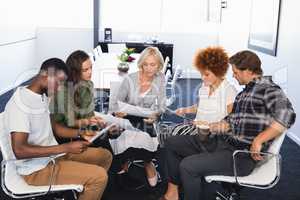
166, 49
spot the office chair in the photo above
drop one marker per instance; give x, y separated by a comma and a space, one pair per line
164, 69
113, 92
101, 101
99, 50
92, 57
14, 185
171, 86
265, 175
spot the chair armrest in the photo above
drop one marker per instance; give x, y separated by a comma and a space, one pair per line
267, 155
51, 177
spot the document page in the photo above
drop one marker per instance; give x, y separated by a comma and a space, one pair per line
120, 122
135, 110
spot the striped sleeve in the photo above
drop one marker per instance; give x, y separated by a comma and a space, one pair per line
279, 106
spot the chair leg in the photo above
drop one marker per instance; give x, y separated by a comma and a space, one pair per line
223, 196
231, 192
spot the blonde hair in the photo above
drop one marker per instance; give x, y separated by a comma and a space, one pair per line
151, 51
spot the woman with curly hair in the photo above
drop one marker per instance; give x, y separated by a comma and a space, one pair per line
193, 148
216, 95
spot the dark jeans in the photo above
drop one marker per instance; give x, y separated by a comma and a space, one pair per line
190, 158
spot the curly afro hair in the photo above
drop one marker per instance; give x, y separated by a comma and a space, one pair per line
214, 59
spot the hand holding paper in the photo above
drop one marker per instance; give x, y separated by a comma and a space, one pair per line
135, 110
101, 133
122, 123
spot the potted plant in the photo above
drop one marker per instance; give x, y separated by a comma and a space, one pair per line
125, 59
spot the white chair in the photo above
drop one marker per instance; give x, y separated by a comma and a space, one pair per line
13, 184
99, 50
265, 175
113, 91
171, 86
116, 48
164, 69
92, 57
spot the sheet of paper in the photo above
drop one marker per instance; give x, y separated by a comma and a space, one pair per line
101, 132
135, 110
120, 122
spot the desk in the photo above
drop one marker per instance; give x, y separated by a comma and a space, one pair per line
105, 70
165, 48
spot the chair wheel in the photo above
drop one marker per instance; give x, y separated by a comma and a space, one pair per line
220, 196
234, 196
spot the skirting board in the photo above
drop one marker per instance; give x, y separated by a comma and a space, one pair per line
294, 137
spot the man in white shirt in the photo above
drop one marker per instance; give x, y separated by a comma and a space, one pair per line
28, 122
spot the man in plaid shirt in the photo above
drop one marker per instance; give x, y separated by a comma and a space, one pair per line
261, 112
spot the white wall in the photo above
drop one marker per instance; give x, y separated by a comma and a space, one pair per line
32, 31
17, 64
285, 66
65, 26
60, 42
17, 42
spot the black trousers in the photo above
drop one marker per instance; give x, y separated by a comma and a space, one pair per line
137, 153
190, 158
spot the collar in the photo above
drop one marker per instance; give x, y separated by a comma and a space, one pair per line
27, 109
260, 79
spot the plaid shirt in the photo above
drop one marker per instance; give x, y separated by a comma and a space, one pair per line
256, 107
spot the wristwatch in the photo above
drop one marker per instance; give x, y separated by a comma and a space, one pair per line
79, 133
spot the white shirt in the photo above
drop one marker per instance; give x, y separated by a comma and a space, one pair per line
28, 112
213, 108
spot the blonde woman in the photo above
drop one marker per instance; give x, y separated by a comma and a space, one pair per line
145, 88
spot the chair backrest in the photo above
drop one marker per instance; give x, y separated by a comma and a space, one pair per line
99, 50
164, 69
276, 144
11, 179
114, 88
116, 48
92, 57
5, 141
177, 74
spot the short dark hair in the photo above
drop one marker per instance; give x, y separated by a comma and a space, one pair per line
214, 59
246, 60
74, 63
54, 63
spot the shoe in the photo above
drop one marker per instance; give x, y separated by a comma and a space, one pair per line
153, 181
125, 167
123, 171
